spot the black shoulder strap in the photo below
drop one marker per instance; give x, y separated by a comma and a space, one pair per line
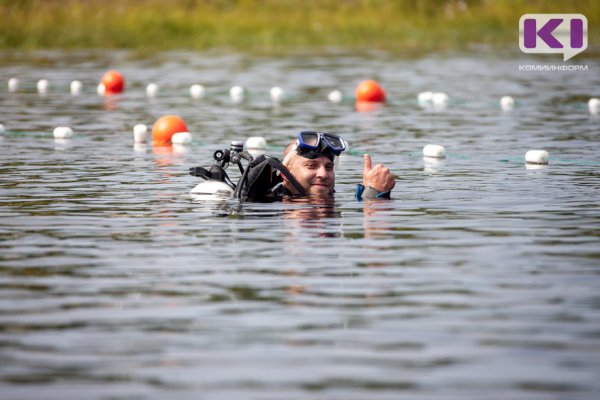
296, 186
250, 184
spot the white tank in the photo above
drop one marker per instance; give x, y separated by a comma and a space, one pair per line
212, 190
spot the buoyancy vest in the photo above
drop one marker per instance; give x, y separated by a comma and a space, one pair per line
261, 181
262, 176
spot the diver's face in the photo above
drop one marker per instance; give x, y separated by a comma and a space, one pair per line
316, 176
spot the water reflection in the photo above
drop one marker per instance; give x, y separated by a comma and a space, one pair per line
368, 106
141, 148
112, 102
309, 209
316, 217
433, 165
164, 155
62, 144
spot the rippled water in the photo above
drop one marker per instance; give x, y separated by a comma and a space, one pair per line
480, 279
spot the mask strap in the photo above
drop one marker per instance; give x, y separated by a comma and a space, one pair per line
290, 154
336, 164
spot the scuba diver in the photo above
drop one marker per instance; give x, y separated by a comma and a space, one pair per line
307, 170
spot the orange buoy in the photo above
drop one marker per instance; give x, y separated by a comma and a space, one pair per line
369, 91
165, 127
113, 82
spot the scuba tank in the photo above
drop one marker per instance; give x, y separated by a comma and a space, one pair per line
257, 180
212, 188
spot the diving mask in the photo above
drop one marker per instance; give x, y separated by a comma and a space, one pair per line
320, 143
311, 145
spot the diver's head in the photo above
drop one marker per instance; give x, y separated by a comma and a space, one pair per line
311, 160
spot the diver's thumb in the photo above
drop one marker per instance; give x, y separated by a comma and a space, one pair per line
368, 164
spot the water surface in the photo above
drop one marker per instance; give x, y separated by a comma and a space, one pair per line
480, 279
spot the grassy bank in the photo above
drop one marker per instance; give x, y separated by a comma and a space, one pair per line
272, 25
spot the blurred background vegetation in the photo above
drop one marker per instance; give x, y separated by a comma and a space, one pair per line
273, 25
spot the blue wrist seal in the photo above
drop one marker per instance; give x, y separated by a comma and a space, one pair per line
370, 193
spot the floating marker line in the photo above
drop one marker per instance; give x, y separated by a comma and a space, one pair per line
55, 88
356, 153
554, 161
27, 133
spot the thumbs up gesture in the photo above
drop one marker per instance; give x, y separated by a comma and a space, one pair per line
379, 177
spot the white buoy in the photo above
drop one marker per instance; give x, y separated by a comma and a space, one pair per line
439, 100
76, 87
13, 85
256, 145
182, 138
537, 157
507, 103
42, 86
256, 142
152, 90
197, 91
63, 132
140, 133
434, 151
594, 106
2, 130
425, 99
237, 94
277, 94
101, 89
335, 96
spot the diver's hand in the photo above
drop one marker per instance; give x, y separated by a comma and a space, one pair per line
379, 178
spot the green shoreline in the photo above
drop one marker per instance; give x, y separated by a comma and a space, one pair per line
273, 26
